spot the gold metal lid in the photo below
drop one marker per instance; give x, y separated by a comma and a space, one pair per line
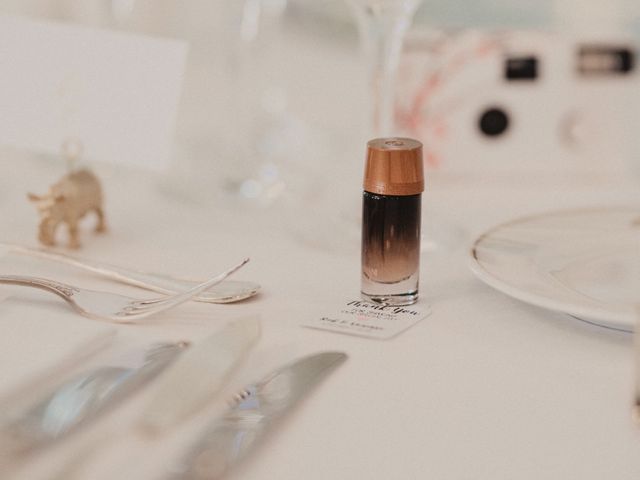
394, 167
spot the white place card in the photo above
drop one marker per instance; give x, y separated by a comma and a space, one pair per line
357, 317
116, 93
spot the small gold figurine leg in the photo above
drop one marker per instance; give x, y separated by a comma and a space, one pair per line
73, 235
46, 233
101, 226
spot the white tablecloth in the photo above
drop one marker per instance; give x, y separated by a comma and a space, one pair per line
486, 387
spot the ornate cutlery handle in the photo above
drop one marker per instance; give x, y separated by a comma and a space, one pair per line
61, 289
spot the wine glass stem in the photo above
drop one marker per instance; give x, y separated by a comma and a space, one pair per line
382, 32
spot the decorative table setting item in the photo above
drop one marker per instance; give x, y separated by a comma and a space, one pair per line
583, 262
68, 200
36, 348
111, 307
85, 84
226, 292
198, 375
448, 377
78, 401
383, 25
391, 218
257, 407
185, 387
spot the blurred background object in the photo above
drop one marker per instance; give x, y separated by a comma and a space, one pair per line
275, 105
383, 25
520, 100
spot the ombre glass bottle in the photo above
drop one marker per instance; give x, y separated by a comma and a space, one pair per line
393, 186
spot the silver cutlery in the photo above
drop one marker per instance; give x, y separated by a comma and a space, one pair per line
198, 375
257, 407
188, 384
80, 400
225, 292
112, 307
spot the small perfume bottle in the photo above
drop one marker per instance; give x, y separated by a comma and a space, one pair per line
393, 186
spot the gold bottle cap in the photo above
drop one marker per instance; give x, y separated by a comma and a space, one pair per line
394, 167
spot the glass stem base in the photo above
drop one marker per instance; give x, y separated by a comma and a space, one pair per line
397, 300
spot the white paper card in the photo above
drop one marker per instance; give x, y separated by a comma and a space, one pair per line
117, 93
356, 317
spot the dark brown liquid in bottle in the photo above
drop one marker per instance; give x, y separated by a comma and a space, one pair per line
390, 237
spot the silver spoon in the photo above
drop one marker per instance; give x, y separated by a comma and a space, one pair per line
226, 292
112, 307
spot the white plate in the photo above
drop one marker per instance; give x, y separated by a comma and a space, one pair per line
582, 262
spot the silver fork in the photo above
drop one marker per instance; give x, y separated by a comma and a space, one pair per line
226, 292
112, 307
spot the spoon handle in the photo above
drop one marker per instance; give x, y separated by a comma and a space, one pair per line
148, 281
